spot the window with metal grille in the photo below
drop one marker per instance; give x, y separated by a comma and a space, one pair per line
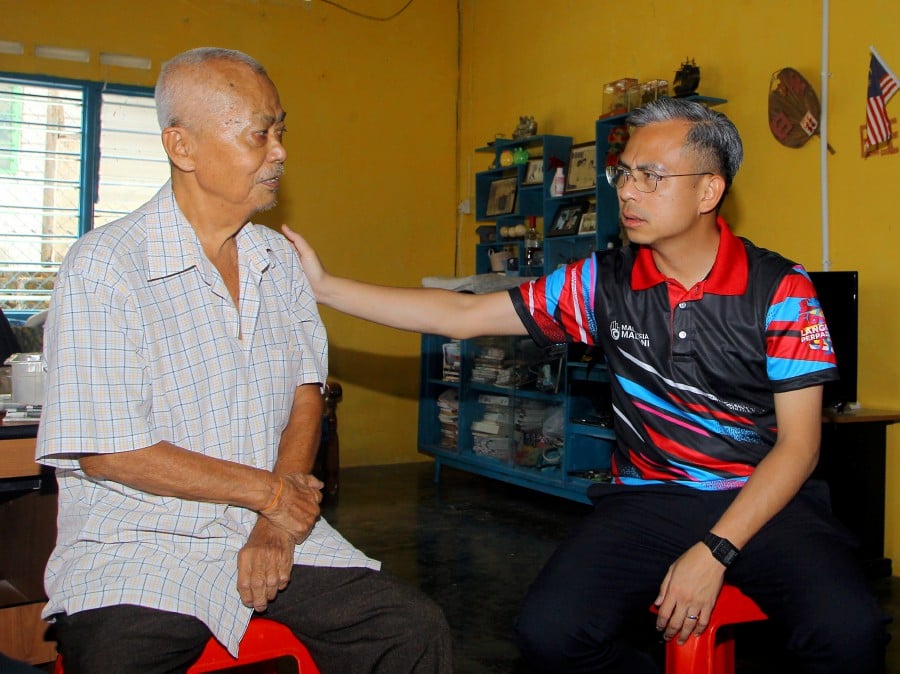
73, 156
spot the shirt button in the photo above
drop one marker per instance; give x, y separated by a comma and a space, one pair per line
682, 305
682, 334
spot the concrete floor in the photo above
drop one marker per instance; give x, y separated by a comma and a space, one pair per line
474, 544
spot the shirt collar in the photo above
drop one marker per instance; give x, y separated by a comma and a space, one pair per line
173, 246
728, 275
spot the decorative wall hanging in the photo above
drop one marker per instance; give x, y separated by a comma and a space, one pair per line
794, 109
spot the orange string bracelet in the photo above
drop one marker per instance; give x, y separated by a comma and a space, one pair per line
276, 497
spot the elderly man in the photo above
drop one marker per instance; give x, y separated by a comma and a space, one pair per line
185, 361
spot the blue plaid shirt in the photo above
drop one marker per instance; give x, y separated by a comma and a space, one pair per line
144, 344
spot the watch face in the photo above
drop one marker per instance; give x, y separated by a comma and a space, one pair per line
729, 554
721, 549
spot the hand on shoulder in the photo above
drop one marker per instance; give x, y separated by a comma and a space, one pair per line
310, 262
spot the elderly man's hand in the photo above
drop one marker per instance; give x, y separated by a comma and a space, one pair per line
264, 564
295, 508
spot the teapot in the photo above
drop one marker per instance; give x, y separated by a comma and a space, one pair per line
499, 259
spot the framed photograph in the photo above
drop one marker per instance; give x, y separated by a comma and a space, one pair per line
588, 223
534, 172
502, 197
566, 220
582, 170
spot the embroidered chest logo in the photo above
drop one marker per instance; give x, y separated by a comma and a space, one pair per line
626, 331
815, 334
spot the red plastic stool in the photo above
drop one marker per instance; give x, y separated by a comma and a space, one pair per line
265, 640
713, 651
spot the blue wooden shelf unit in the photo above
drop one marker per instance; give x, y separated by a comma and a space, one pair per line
500, 406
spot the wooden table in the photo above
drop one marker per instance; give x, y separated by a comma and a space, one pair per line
852, 461
27, 536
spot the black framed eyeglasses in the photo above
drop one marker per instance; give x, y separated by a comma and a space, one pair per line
645, 180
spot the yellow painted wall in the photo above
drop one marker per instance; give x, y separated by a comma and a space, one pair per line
371, 151
550, 60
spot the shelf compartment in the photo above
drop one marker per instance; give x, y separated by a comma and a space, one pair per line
592, 431
588, 452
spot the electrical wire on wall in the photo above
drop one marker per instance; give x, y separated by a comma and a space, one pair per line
457, 237
457, 262
363, 15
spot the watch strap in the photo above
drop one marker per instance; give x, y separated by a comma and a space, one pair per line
722, 549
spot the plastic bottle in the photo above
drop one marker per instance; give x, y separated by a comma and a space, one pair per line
558, 188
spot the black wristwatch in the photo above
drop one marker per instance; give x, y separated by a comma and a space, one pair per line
722, 549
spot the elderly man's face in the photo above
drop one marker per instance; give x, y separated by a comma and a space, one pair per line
237, 129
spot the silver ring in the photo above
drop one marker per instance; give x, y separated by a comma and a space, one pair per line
693, 617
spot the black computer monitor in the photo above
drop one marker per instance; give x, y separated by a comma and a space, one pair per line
838, 293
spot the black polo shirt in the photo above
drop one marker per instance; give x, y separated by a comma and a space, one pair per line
693, 371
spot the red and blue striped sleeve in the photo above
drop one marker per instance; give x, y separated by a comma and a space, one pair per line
560, 307
798, 345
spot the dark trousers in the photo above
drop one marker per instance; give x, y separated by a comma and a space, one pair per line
10, 666
351, 620
800, 569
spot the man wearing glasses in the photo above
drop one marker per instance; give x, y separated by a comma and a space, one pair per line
717, 408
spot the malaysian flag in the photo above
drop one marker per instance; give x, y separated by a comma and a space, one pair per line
882, 86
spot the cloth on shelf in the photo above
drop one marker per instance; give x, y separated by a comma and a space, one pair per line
477, 283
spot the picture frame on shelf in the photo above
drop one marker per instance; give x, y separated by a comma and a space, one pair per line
588, 223
534, 172
582, 169
501, 197
565, 222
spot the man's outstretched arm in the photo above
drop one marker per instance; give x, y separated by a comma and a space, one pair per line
425, 310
